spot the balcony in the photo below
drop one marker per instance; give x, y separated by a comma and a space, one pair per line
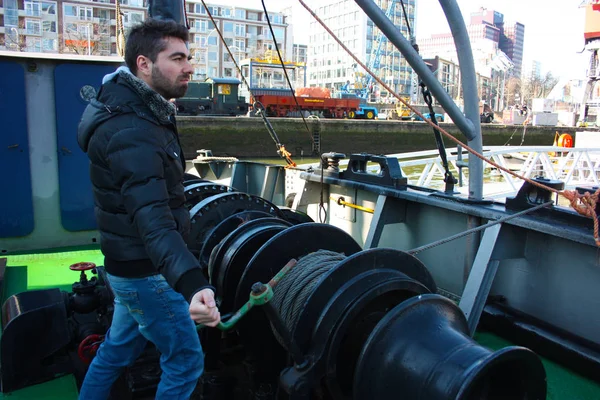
30, 13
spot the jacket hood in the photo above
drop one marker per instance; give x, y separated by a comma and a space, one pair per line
93, 116
122, 92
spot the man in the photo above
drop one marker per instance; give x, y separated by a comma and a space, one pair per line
136, 170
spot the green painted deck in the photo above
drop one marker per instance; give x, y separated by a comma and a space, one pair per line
43, 270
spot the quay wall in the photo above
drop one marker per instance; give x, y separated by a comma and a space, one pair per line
245, 137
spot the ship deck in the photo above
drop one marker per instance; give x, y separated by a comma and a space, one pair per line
31, 271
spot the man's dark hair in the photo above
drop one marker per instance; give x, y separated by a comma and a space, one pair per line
148, 39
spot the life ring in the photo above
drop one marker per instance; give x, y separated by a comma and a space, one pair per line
563, 140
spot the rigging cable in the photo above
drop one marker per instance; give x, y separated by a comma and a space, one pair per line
284, 69
584, 204
322, 210
257, 105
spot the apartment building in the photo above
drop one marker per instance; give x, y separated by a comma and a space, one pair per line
245, 31
78, 27
330, 66
89, 27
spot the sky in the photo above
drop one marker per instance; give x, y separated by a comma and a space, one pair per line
553, 28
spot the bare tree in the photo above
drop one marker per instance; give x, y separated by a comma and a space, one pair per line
86, 41
513, 91
12, 39
538, 87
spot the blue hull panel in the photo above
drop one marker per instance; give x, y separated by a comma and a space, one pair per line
16, 202
76, 199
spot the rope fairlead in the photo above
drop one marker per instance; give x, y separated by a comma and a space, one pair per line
260, 294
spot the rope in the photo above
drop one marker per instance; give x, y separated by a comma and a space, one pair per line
299, 283
578, 202
120, 30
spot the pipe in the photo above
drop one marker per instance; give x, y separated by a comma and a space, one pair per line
469, 125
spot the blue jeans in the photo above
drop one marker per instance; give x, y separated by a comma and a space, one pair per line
147, 309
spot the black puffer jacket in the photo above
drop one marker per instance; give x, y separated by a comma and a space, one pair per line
136, 169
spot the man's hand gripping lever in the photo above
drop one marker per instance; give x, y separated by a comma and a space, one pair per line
203, 308
260, 295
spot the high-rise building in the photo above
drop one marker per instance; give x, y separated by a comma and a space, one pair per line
88, 27
512, 43
488, 34
330, 66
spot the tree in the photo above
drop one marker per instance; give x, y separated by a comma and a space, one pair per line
86, 38
537, 86
13, 40
513, 91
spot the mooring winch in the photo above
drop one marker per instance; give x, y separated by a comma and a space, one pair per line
340, 323
345, 323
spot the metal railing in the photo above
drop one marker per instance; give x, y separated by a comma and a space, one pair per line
574, 166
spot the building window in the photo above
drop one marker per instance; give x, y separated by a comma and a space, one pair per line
49, 45
86, 13
276, 18
130, 18
228, 72
240, 44
11, 13
204, 25
104, 16
212, 56
133, 3
70, 11
71, 28
240, 30
34, 44
33, 8
199, 9
240, 14
49, 26
228, 27
226, 12
33, 27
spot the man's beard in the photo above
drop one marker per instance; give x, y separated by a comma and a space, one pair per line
167, 89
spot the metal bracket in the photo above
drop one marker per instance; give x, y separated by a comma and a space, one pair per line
387, 211
480, 279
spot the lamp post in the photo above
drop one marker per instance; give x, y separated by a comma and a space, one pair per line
89, 43
16, 40
239, 52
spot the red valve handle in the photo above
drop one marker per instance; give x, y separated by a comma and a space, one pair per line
89, 347
82, 266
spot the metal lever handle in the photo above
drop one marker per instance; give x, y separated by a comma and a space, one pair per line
261, 294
